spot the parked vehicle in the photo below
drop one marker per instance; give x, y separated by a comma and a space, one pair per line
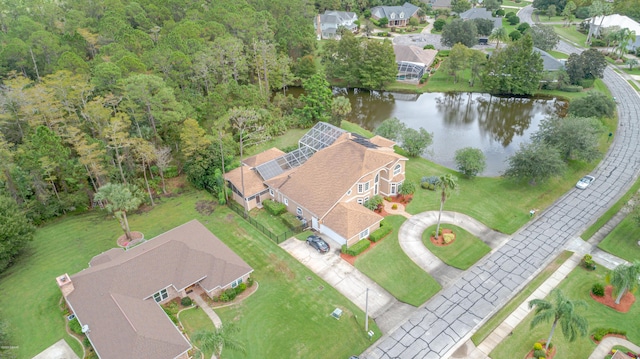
585, 182
318, 243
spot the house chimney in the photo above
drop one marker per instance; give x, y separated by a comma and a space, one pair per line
65, 284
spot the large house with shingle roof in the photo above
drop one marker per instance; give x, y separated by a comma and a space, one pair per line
117, 298
481, 13
413, 62
398, 16
328, 24
330, 186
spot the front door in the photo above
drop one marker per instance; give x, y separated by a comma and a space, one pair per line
393, 188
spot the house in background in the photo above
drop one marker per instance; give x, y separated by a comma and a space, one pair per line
438, 4
328, 24
620, 21
413, 62
330, 176
117, 298
481, 13
398, 16
549, 63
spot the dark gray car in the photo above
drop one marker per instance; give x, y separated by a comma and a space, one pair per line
318, 243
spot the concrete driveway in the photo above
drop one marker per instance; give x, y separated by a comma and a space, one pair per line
341, 275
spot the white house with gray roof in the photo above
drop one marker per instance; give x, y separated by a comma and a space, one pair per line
327, 24
398, 16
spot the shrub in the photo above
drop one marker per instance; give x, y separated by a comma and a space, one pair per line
588, 263
587, 83
431, 180
599, 333
448, 237
500, 12
598, 290
394, 206
598, 43
515, 35
290, 220
539, 353
407, 188
357, 248
86, 342
74, 326
373, 202
433, 234
250, 282
571, 88
384, 223
429, 47
171, 172
595, 104
537, 346
425, 185
228, 295
514, 20
275, 208
186, 302
439, 24
380, 233
443, 53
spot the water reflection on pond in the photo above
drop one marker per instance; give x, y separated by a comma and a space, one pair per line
495, 125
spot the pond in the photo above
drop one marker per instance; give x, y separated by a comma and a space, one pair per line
496, 125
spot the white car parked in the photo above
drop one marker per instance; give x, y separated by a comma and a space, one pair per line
585, 182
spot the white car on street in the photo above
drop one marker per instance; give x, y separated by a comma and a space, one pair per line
585, 182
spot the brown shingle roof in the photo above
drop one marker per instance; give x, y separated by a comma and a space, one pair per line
350, 218
414, 54
382, 141
253, 183
114, 297
321, 181
263, 157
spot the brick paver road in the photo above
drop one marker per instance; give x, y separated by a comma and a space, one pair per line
448, 319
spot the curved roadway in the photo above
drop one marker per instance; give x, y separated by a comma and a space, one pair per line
450, 317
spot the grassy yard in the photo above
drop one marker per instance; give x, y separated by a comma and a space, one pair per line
290, 138
389, 266
441, 81
464, 252
195, 319
505, 311
558, 54
513, 3
634, 71
570, 33
287, 317
577, 285
623, 240
273, 223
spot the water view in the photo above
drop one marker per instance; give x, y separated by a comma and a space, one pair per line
495, 125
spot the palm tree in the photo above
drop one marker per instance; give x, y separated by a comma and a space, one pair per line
625, 36
624, 278
121, 198
499, 34
446, 183
219, 339
562, 310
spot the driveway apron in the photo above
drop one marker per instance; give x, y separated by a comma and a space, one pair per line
451, 316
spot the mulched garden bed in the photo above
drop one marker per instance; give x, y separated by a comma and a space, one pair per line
607, 336
550, 354
123, 241
439, 242
625, 303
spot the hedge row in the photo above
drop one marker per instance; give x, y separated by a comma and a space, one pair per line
599, 333
275, 208
357, 248
290, 220
380, 233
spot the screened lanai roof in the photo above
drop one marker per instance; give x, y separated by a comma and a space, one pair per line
320, 136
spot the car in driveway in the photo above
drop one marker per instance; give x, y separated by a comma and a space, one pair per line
318, 243
585, 182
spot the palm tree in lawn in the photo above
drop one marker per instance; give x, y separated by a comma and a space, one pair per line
624, 278
499, 34
120, 198
561, 310
446, 183
219, 339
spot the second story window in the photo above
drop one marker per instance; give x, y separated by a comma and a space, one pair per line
397, 169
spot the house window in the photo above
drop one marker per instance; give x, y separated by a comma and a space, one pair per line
236, 283
360, 201
286, 202
366, 199
364, 234
299, 211
348, 192
160, 296
393, 16
393, 188
271, 192
397, 169
401, 15
377, 178
360, 187
366, 186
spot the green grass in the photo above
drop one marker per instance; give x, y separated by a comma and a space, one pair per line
623, 240
464, 252
275, 224
558, 54
634, 71
612, 211
513, 3
576, 286
195, 319
286, 317
389, 266
441, 81
491, 324
633, 84
352, 127
290, 138
570, 33
545, 19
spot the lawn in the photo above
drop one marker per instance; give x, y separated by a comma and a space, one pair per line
513, 3
505, 311
275, 224
570, 33
558, 54
577, 285
389, 266
290, 138
623, 240
195, 319
274, 322
464, 252
634, 71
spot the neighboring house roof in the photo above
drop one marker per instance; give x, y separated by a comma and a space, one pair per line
263, 157
382, 142
549, 63
326, 177
350, 218
620, 355
114, 296
331, 20
617, 20
481, 13
440, 4
407, 10
253, 183
414, 54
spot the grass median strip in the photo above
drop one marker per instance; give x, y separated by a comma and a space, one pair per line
488, 327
